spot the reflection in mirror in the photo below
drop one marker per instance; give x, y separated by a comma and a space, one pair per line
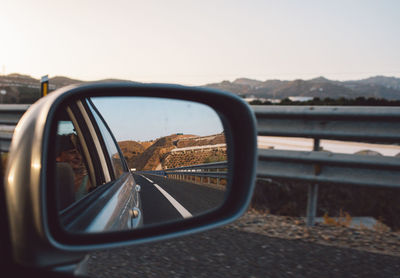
130, 162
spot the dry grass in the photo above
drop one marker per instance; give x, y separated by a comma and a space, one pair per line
343, 220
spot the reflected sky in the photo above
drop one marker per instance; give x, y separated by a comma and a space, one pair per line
144, 118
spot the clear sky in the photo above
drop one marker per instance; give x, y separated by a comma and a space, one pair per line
144, 119
197, 42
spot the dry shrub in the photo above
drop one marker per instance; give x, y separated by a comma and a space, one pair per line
380, 227
343, 220
289, 198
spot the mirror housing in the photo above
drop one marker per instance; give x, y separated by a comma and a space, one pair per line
29, 195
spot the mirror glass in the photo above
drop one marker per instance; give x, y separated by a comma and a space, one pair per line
131, 162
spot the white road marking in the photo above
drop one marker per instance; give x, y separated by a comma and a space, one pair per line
184, 212
149, 180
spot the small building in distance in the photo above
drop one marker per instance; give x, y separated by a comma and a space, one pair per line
300, 99
271, 100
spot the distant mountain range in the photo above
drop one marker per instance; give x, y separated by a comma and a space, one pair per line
54, 82
377, 87
18, 86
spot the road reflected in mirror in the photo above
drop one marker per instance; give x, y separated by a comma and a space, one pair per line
130, 162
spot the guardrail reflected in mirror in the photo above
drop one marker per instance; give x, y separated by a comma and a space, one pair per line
129, 162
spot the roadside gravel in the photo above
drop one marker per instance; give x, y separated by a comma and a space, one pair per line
258, 246
379, 240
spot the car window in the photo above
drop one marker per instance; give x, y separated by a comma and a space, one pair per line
86, 153
117, 164
72, 170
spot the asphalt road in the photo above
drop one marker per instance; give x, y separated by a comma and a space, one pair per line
228, 252
166, 199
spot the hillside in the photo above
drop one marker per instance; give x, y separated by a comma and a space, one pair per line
25, 89
201, 141
151, 158
158, 154
131, 150
61, 81
377, 87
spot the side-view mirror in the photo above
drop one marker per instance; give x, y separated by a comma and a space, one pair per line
177, 148
105, 165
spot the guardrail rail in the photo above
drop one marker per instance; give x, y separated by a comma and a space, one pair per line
205, 172
343, 123
9, 117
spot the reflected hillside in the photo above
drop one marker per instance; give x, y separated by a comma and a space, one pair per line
175, 150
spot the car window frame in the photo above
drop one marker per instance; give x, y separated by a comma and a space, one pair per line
94, 169
93, 134
124, 165
79, 215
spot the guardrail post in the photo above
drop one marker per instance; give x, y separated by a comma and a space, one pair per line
312, 194
312, 204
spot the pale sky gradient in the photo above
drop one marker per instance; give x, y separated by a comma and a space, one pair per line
198, 42
145, 118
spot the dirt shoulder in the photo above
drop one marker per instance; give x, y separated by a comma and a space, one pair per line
294, 228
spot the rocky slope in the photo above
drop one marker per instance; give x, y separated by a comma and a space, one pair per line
156, 155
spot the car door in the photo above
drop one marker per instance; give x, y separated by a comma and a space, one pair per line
96, 190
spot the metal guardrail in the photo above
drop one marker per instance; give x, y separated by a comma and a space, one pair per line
9, 117
364, 124
357, 124
326, 167
217, 170
196, 148
206, 171
11, 113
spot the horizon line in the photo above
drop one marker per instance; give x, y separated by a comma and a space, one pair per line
203, 84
